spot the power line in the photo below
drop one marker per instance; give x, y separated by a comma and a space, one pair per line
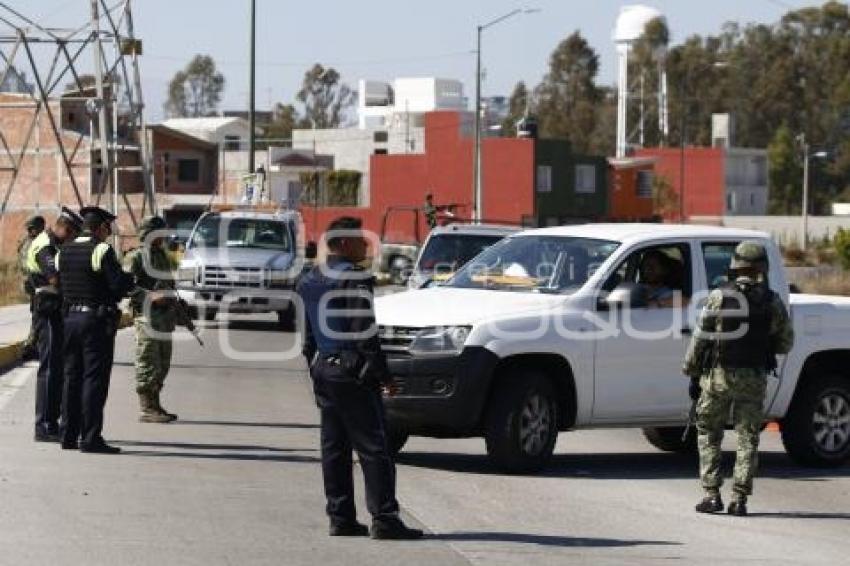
406, 59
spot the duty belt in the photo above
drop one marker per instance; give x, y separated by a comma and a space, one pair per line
81, 308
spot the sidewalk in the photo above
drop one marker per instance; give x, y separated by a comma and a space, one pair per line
14, 327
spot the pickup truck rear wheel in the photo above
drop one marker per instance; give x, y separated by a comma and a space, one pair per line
816, 431
522, 422
669, 439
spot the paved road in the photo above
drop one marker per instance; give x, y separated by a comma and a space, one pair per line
237, 481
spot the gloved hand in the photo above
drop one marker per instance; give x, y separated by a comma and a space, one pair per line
694, 390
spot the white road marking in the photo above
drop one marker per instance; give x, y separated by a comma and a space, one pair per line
13, 381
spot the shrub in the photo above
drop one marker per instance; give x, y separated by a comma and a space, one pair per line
841, 242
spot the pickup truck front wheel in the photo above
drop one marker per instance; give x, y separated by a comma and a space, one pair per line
669, 439
522, 423
816, 431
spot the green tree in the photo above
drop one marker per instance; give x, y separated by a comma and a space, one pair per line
284, 119
196, 90
785, 173
568, 96
518, 106
325, 97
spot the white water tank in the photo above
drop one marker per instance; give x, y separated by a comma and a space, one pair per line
632, 21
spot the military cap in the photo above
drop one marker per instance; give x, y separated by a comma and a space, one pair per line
72, 218
151, 224
94, 216
748, 254
36, 222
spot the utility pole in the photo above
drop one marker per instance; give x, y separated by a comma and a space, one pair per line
478, 200
476, 159
251, 117
804, 236
105, 180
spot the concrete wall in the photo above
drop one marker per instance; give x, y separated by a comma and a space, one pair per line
785, 229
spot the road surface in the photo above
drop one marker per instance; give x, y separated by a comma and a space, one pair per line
237, 481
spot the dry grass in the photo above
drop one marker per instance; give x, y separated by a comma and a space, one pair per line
830, 284
11, 284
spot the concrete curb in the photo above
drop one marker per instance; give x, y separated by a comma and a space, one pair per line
11, 354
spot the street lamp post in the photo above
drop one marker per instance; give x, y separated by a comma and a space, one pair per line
478, 197
807, 157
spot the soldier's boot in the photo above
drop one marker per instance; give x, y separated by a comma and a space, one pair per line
711, 503
738, 507
148, 412
158, 405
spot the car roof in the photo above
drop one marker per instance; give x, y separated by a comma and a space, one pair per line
627, 232
476, 229
279, 216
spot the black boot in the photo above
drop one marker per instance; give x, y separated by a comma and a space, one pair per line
392, 528
350, 529
738, 507
710, 504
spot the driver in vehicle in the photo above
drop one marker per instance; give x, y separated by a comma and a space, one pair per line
656, 271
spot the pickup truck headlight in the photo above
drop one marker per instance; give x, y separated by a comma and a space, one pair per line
278, 280
187, 272
440, 340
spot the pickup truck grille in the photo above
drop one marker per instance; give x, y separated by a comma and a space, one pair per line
233, 277
396, 340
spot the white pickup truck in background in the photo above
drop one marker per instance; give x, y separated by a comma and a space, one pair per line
538, 335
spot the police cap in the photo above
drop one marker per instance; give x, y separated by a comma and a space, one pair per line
71, 218
94, 216
749, 254
35, 223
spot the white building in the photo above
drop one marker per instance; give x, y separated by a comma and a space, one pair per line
405, 101
229, 133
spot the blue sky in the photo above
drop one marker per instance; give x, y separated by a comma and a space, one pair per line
381, 39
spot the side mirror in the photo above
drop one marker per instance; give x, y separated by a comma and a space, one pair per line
311, 250
625, 295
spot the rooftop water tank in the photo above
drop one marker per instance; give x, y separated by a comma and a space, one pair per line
632, 21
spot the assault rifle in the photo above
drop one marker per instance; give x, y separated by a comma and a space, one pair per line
181, 309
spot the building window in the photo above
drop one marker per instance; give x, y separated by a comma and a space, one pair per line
232, 143
544, 178
643, 187
585, 179
381, 137
188, 170
380, 152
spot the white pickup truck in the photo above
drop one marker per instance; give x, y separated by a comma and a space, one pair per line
545, 332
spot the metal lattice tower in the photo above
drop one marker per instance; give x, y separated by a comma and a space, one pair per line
115, 138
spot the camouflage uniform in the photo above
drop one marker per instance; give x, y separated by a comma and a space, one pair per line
739, 391
430, 214
33, 223
153, 328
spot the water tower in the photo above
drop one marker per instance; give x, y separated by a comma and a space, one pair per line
631, 25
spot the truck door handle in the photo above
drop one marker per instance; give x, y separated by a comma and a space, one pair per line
687, 331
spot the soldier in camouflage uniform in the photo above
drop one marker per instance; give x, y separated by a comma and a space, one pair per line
153, 349
742, 328
430, 211
35, 226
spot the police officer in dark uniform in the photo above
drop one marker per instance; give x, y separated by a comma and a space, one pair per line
43, 279
92, 284
347, 367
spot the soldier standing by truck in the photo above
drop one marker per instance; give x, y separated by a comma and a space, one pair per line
154, 318
742, 328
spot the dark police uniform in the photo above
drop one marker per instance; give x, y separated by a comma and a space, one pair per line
347, 370
92, 284
47, 328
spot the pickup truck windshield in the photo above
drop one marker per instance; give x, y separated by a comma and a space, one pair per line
447, 252
217, 232
535, 264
